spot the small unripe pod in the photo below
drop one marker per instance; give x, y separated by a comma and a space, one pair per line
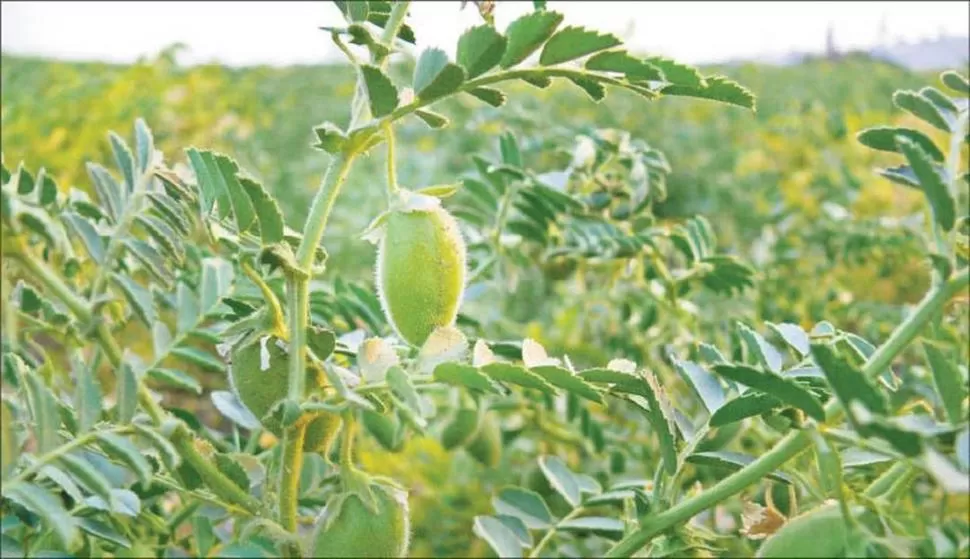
259, 377
420, 271
820, 532
348, 528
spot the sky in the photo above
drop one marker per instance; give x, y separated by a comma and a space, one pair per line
277, 33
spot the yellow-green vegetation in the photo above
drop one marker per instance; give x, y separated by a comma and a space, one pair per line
646, 294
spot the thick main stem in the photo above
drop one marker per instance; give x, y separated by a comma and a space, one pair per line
298, 303
298, 293
796, 441
290, 474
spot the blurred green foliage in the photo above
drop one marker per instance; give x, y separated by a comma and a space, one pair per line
771, 183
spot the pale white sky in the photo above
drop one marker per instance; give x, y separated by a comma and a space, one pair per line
240, 33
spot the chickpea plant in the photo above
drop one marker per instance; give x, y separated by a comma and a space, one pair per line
196, 258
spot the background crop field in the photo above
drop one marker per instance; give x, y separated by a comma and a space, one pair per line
788, 189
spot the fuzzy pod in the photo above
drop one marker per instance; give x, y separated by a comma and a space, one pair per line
420, 271
486, 447
462, 428
820, 532
348, 528
258, 375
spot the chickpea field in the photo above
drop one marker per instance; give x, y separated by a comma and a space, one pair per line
551, 298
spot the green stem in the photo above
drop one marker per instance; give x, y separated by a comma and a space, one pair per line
298, 307
222, 486
392, 187
316, 221
298, 293
500, 218
53, 283
347, 443
276, 312
202, 497
889, 479
289, 473
66, 448
796, 441
547, 537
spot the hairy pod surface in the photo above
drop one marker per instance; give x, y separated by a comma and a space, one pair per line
420, 272
258, 375
820, 532
348, 528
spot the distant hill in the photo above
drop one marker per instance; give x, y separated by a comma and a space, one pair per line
928, 54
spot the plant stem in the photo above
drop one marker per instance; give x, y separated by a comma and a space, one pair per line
298, 293
221, 485
65, 448
889, 479
320, 209
392, 187
289, 473
796, 441
200, 496
298, 303
276, 312
52, 282
347, 443
552, 531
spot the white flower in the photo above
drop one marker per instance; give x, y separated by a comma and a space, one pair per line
534, 355
482, 354
445, 344
374, 357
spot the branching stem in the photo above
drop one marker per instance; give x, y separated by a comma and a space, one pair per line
796, 441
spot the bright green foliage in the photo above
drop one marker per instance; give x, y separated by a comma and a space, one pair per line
652, 311
382, 93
